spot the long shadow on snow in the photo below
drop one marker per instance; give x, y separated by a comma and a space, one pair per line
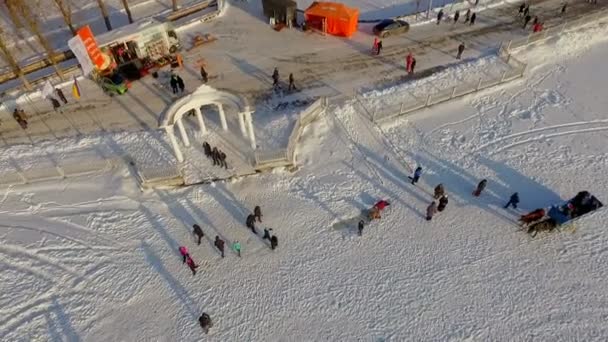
393, 196
530, 191
461, 183
173, 245
174, 286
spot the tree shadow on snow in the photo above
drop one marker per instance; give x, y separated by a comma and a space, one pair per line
174, 286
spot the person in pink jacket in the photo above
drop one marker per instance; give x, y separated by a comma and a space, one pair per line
183, 250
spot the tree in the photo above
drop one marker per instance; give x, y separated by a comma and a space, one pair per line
66, 12
34, 27
125, 4
13, 13
10, 60
174, 5
104, 14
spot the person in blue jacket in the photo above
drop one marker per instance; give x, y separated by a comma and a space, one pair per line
513, 201
417, 174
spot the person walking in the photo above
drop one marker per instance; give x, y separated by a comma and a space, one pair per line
236, 246
292, 85
521, 9
250, 223
205, 322
257, 212
473, 18
460, 50
408, 62
191, 264
413, 65
480, 187
379, 48
173, 83
219, 243
417, 174
198, 232
183, 250
223, 160
526, 10
61, 96
55, 103
207, 149
439, 191
467, 16
513, 201
563, 11
527, 19
215, 154
375, 46
274, 242
456, 16
180, 84
267, 233
275, 77
361, 226
431, 210
443, 202
204, 74
439, 16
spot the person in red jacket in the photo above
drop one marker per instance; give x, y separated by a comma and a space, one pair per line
408, 62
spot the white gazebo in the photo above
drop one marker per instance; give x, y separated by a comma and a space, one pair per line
206, 95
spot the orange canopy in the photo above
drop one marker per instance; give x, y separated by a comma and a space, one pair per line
333, 18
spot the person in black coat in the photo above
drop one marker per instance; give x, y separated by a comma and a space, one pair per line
223, 160
267, 234
480, 187
250, 223
180, 84
205, 322
513, 201
61, 95
198, 232
173, 83
473, 18
443, 202
361, 226
257, 212
215, 154
219, 243
274, 242
207, 149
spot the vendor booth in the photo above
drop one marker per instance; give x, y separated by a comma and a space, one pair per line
332, 18
282, 11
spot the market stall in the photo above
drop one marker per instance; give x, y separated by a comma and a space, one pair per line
332, 18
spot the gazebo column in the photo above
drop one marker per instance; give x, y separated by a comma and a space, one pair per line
249, 120
182, 132
242, 124
199, 117
176, 150
220, 109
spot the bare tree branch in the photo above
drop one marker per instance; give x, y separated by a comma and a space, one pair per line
10, 60
104, 14
66, 12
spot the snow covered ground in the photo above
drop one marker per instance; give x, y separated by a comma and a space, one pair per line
96, 259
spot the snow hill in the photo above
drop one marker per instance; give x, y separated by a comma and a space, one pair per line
95, 259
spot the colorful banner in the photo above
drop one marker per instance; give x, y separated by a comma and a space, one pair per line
86, 35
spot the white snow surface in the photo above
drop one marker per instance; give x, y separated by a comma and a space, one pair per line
95, 259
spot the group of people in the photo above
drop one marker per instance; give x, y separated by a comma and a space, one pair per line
177, 83
21, 118
440, 195
218, 156
469, 17
537, 25
276, 80
56, 104
250, 222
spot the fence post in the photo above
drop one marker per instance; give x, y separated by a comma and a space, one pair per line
479, 83
453, 92
428, 100
401, 109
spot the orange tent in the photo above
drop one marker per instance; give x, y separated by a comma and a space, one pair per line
333, 18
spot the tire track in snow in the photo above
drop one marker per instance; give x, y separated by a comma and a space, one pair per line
542, 137
542, 129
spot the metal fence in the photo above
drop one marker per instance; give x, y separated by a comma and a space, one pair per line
287, 156
555, 31
516, 70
